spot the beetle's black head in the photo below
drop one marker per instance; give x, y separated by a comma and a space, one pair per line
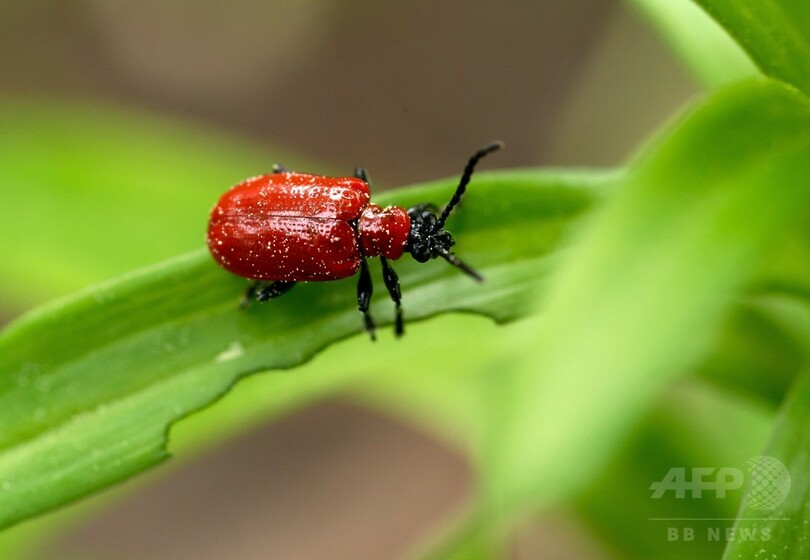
428, 239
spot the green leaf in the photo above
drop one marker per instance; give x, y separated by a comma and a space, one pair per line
646, 287
758, 352
705, 47
775, 33
90, 384
774, 519
691, 425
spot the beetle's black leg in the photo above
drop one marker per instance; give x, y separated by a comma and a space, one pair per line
392, 284
274, 290
364, 290
278, 168
250, 293
361, 173
262, 291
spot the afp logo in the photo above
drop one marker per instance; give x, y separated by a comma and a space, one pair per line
768, 482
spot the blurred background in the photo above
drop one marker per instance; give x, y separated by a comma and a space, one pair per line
405, 88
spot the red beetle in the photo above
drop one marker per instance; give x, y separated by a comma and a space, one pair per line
283, 228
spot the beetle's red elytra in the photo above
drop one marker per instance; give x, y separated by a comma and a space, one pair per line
283, 227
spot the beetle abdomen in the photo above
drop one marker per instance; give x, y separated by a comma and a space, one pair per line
289, 226
296, 194
285, 248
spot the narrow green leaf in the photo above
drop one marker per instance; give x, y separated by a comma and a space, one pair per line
691, 425
774, 521
758, 352
90, 384
705, 47
646, 287
775, 33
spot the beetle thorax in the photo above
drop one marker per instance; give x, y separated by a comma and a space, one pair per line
383, 231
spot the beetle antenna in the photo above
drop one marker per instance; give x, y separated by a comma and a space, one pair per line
458, 263
465, 179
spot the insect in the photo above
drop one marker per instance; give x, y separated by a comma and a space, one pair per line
283, 228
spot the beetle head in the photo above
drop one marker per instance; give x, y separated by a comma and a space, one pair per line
427, 238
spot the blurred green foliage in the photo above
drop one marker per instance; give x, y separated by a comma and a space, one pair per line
664, 311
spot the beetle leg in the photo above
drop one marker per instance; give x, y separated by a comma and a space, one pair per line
278, 168
364, 290
250, 293
262, 291
392, 284
274, 290
361, 173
